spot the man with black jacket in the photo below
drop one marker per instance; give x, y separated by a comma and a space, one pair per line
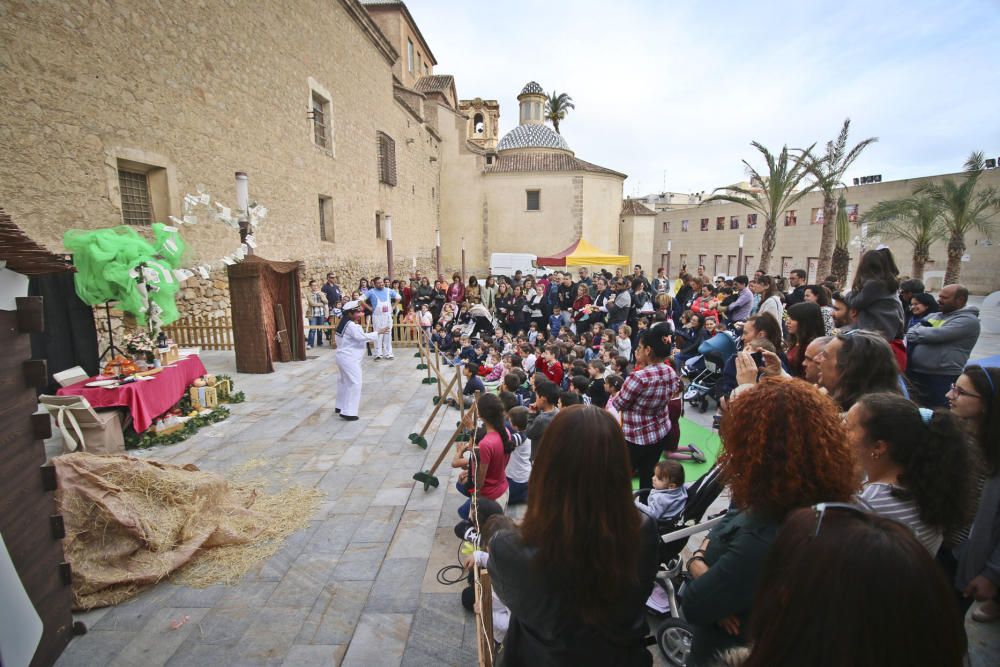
567, 294
797, 279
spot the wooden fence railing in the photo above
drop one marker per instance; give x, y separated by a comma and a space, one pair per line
216, 333
403, 335
208, 333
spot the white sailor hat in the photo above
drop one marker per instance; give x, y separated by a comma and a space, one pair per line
352, 305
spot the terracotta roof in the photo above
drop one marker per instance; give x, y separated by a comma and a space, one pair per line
23, 255
636, 207
504, 164
436, 83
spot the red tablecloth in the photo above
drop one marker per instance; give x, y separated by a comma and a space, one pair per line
145, 399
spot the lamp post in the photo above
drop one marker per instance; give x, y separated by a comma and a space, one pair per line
739, 258
388, 243
437, 252
242, 204
670, 247
463, 260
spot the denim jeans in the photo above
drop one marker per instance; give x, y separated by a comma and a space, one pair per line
317, 334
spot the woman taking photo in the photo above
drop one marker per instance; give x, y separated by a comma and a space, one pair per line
916, 462
644, 400
974, 400
805, 324
775, 424
577, 574
845, 587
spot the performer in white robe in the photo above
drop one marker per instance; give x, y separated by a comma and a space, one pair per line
381, 298
351, 342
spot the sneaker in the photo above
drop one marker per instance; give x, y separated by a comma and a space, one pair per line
390, 357
376, 358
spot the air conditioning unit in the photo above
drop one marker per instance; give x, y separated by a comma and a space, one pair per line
856, 181
991, 163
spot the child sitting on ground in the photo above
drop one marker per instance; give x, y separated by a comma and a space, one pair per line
613, 384
623, 343
668, 496
578, 385
473, 383
595, 389
480, 558
519, 465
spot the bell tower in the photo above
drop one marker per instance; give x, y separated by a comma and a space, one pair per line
532, 101
483, 122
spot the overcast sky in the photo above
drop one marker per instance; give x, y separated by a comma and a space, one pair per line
681, 88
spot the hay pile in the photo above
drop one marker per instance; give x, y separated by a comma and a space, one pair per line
131, 523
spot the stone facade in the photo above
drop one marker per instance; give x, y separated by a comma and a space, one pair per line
798, 245
200, 92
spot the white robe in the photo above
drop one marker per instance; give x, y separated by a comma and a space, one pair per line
350, 351
382, 318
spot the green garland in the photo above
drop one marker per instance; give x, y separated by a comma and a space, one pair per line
150, 438
135, 440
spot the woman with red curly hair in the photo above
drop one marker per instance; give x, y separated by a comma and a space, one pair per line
785, 447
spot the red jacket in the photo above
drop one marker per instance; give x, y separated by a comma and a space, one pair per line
553, 372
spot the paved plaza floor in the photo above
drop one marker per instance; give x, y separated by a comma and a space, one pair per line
356, 587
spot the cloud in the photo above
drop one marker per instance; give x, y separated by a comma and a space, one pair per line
681, 88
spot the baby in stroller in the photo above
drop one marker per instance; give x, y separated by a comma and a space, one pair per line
668, 496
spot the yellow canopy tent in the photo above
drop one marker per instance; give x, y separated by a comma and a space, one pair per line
582, 253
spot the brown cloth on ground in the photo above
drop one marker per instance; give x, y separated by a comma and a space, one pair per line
130, 523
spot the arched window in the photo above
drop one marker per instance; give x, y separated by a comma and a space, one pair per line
477, 123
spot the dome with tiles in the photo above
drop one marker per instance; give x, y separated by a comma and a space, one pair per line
532, 136
532, 88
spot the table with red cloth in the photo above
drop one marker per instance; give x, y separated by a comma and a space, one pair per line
145, 399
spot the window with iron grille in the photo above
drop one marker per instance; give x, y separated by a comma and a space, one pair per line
386, 159
321, 120
534, 200
137, 206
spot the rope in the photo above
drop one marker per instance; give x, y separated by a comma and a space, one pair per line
484, 640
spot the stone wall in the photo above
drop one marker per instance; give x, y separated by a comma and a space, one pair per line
201, 91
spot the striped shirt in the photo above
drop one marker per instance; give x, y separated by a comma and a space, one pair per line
879, 497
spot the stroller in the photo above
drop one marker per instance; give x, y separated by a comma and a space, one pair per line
714, 353
674, 635
482, 321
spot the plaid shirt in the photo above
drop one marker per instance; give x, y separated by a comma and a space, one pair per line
642, 403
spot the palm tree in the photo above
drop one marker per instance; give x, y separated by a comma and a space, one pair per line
557, 105
770, 194
841, 255
916, 220
828, 171
962, 210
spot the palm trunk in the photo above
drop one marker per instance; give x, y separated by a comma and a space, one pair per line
920, 258
767, 245
840, 265
555, 125
824, 267
956, 248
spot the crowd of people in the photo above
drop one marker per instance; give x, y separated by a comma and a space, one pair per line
860, 449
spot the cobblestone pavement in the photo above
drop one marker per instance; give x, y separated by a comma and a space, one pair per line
356, 587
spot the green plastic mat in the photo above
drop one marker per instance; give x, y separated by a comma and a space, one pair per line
704, 439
